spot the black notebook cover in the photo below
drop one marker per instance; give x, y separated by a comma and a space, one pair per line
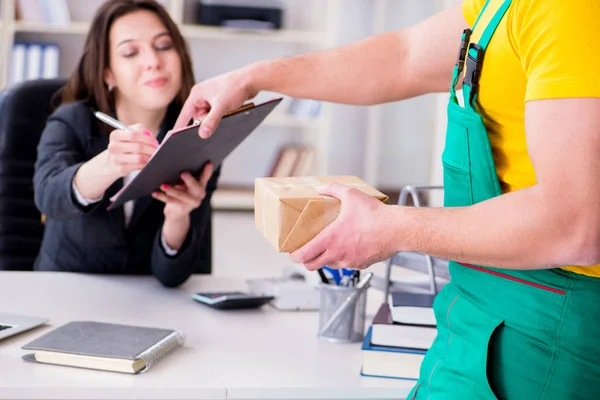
184, 150
405, 299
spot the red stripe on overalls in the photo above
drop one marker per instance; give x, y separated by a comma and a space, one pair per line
512, 278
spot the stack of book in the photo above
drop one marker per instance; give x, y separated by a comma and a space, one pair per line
294, 160
399, 336
34, 60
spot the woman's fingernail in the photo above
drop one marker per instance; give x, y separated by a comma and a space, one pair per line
155, 142
164, 187
186, 175
147, 132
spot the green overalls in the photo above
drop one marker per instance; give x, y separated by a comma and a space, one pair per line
507, 334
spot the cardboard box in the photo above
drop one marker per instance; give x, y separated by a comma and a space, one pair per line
289, 212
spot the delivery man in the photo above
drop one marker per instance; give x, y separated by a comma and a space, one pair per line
521, 316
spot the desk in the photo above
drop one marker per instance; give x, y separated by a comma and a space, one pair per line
252, 354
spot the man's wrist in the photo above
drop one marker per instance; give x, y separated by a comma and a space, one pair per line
251, 77
401, 232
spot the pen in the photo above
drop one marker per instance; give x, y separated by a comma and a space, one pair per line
335, 274
362, 285
323, 277
107, 119
355, 277
346, 277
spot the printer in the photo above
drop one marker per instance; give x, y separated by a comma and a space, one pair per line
242, 14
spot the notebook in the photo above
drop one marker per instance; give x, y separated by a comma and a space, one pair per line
387, 332
104, 346
389, 361
183, 150
413, 308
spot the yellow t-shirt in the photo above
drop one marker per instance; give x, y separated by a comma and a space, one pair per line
542, 49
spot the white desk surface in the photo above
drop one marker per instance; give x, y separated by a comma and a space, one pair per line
252, 354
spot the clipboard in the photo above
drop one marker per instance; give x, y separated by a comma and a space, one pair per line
183, 150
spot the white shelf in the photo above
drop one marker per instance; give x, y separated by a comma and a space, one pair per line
74, 28
188, 31
232, 199
281, 35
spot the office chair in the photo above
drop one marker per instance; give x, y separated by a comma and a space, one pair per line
24, 109
435, 268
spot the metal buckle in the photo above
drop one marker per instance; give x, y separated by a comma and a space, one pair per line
473, 67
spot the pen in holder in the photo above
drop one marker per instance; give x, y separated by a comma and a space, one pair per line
342, 311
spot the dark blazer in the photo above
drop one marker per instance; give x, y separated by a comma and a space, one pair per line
93, 239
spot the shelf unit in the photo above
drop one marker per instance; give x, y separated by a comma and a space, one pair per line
188, 30
296, 39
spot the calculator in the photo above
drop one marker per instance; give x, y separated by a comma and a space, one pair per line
232, 300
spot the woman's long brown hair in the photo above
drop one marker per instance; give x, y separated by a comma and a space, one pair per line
86, 83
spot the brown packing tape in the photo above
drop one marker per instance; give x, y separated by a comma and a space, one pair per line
315, 217
289, 211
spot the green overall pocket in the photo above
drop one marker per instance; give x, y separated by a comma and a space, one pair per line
469, 169
458, 190
457, 362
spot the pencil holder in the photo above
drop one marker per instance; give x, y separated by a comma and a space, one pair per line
349, 326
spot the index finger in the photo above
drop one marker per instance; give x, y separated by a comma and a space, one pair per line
190, 110
206, 174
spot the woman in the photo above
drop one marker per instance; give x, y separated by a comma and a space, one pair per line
135, 67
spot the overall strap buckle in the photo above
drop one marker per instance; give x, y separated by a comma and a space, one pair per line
474, 65
462, 51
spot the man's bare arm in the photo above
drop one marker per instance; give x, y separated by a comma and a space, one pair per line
553, 223
387, 67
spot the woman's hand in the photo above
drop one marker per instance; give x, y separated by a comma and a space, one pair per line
180, 201
129, 150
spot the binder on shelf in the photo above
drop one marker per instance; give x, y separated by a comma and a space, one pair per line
17, 73
294, 160
50, 61
34, 60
